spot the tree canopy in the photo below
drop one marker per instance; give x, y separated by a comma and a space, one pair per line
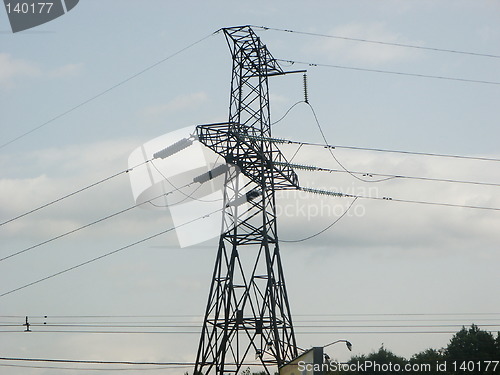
470, 351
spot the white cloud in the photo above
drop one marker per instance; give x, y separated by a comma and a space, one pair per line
278, 99
368, 248
373, 224
350, 51
66, 70
179, 103
66, 170
369, 225
12, 69
188, 284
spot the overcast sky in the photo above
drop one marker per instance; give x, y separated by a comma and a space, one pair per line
381, 263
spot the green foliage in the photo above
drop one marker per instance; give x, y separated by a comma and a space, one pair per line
381, 357
471, 344
474, 346
468, 346
430, 357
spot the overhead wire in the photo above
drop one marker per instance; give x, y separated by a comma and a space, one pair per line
179, 202
353, 174
95, 362
72, 193
125, 364
63, 328
102, 93
140, 324
306, 101
178, 189
107, 254
406, 45
371, 174
386, 176
387, 198
324, 229
325, 145
283, 117
34, 322
197, 325
430, 203
323, 65
298, 332
392, 176
265, 28
295, 153
333, 155
287, 112
374, 326
86, 226
406, 314
94, 368
478, 158
417, 153
123, 316
186, 196
285, 241
388, 72
190, 324
312, 318
100, 182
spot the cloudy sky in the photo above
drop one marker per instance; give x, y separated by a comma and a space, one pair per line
102, 80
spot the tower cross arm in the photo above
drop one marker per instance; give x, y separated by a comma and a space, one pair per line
226, 138
257, 59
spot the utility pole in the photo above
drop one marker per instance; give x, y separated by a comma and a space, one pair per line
248, 315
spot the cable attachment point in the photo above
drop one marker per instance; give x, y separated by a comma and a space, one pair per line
306, 98
249, 196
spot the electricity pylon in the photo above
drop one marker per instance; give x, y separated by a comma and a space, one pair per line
248, 315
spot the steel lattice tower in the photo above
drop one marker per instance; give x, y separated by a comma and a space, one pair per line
248, 313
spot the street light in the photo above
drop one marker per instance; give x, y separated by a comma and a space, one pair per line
348, 344
314, 356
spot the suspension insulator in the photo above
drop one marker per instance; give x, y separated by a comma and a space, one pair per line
325, 192
173, 149
306, 98
217, 171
